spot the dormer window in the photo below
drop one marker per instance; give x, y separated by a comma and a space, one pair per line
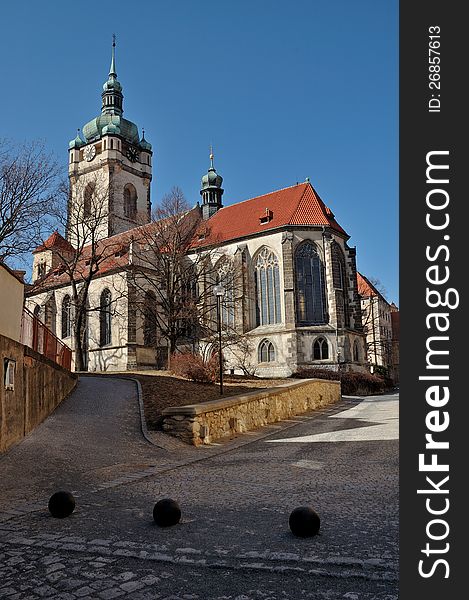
266, 217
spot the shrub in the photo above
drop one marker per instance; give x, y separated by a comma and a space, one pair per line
352, 382
192, 366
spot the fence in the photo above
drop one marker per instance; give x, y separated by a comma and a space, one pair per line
40, 338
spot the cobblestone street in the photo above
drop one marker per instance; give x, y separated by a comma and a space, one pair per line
233, 542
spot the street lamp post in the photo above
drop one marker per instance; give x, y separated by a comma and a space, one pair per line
219, 292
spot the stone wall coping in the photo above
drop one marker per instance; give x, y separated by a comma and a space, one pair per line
227, 402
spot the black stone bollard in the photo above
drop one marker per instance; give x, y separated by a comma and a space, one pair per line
61, 504
304, 521
166, 512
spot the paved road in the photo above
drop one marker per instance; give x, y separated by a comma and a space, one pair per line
233, 542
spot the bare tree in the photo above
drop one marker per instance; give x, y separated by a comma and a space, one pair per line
243, 351
28, 188
377, 284
181, 281
89, 252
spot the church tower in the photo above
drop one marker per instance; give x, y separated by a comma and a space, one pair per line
211, 191
110, 169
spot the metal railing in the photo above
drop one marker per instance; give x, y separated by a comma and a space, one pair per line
40, 338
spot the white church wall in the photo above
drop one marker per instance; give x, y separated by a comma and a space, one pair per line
113, 356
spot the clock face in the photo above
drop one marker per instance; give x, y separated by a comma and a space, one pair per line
89, 153
132, 154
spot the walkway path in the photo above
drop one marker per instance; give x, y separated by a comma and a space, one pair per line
233, 542
93, 435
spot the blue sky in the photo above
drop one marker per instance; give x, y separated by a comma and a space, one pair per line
283, 90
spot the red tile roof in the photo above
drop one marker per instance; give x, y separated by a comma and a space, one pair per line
365, 287
55, 241
296, 205
113, 253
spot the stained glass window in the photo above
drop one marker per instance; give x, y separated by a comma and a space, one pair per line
149, 319
266, 351
226, 278
340, 284
66, 316
320, 349
105, 318
268, 288
310, 289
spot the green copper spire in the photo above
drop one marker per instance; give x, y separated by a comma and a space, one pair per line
111, 121
112, 90
211, 191
112, 70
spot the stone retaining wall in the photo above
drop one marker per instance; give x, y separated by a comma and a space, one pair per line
39, 387
199, 424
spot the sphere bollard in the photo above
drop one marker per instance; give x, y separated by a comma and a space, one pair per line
61, 504
166, 512
304, 521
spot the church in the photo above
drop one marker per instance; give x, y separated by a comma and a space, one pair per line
299, 306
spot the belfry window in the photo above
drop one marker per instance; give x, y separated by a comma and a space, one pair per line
66, 316
105, 318
130, 201
267, 288
266, 351
320, 349
87, 199
310, 288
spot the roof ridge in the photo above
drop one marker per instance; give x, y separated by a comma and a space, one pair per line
266, 194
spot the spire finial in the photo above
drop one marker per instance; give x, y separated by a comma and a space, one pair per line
211, 156
112, 70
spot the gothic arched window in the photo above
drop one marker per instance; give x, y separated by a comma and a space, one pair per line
225, 278
149, 319
130, 201
267, 288
340, 285
105, 318
310, 289
87, 199
320, 349
66, 316
356, 351
266, 351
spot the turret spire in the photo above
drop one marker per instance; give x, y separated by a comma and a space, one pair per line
112, 89
211, 191
112, 70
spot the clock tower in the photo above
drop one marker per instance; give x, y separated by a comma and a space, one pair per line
110, 169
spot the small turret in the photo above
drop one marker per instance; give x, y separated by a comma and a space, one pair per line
211, 191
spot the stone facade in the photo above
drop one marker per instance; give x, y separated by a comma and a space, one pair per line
110, 172
203, 423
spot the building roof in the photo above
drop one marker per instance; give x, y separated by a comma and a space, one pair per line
365, 287
296, 205
114, 253
55, 241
